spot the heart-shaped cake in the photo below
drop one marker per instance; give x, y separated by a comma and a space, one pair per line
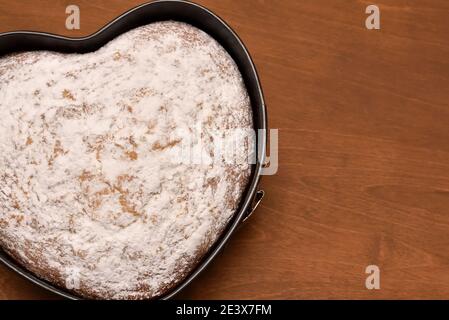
97, 195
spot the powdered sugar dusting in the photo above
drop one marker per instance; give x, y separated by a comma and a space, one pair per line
88, 193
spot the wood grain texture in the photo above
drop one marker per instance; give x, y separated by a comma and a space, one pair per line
363, 120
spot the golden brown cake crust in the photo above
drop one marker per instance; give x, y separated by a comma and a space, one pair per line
97, 193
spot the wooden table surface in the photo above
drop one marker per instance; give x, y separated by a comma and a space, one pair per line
363, 119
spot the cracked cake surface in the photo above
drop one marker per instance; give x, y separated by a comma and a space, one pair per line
94, 195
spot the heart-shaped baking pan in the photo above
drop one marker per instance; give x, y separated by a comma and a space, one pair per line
201, 18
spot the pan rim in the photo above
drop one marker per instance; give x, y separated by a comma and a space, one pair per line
249, 194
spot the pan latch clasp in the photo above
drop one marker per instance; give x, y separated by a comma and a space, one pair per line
257, 199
